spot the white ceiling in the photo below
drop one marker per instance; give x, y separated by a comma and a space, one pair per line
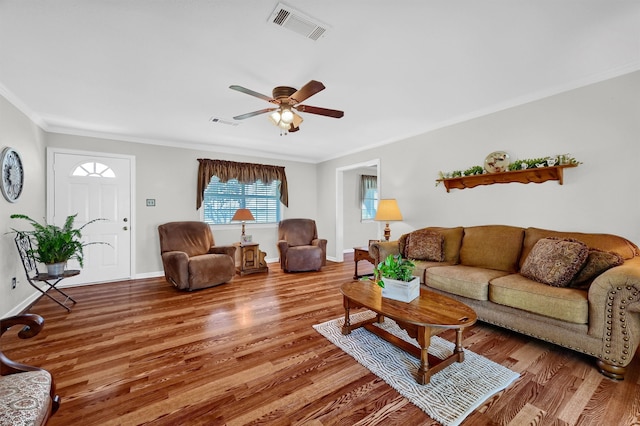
157, 71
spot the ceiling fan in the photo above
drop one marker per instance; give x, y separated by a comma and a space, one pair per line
288, 99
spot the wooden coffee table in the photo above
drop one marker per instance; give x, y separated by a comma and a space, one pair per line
421, 318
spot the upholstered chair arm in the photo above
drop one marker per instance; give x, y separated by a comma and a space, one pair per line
283, 247
380, 250
176, 268
322, 243
32, 325
228, 250
614, 312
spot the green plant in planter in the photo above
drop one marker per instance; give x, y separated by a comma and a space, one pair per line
56, 244
394, 267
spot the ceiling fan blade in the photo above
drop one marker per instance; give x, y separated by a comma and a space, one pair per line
320, 111
254, 113
252, 93
306, 91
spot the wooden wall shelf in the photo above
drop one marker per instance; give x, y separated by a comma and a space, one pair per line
535, 175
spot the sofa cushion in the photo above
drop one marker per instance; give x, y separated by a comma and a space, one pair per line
425, 244
555, 261
517, 291
421, 266
452, 241
304, 258
598, 261
462, 280
605, 242
492, 246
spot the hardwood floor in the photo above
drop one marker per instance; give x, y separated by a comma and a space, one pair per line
139, 352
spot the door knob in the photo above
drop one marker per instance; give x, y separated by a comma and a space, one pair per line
124, 228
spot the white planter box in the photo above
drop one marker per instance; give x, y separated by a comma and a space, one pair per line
401, 290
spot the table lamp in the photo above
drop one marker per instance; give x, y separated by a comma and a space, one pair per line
388, 211
242, 215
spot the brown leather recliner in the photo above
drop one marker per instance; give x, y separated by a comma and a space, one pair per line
190, 258
299, 246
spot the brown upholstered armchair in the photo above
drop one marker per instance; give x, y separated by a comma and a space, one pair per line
299, 246
27, 393
190, 258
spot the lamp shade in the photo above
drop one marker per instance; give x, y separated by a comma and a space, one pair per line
388, 210
243, 215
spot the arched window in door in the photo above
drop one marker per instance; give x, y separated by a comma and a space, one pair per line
94, 169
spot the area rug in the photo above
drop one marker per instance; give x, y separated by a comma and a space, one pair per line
451, 395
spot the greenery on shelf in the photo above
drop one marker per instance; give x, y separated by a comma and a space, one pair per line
527, 163
55, 244
394, 267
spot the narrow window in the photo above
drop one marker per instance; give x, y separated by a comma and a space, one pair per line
368, 197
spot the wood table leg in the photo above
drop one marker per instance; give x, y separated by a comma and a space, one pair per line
459, 349
424, 340
355, 274
346, 328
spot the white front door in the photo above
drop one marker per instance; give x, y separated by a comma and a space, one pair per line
95, 186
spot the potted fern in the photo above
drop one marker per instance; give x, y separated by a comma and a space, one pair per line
395, 275
55, 245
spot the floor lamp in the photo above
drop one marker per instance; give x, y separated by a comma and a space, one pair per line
388, 211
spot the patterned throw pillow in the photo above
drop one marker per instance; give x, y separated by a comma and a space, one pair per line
555, 261
597, 262
425, 245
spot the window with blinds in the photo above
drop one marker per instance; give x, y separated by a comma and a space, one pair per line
221, 200
368, 197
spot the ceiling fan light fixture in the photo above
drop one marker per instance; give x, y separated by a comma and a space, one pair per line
286, 116
275, 117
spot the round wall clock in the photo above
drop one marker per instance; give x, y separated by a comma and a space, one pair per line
12, 174
497, 161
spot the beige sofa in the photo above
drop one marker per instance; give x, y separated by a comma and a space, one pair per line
502, 272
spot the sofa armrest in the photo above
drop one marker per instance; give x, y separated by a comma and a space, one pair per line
380, 250
228, 250
614, 311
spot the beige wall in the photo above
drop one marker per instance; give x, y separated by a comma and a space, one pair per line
169, 176
19, 132
598, 124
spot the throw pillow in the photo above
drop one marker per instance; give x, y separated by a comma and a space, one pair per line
425, 245
598, 261
555, 261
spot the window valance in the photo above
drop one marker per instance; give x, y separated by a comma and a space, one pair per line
244, 172
367, 182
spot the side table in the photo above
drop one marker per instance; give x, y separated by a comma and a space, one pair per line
361, 253
249, 259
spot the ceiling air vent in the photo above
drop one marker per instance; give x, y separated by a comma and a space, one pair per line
287, 17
